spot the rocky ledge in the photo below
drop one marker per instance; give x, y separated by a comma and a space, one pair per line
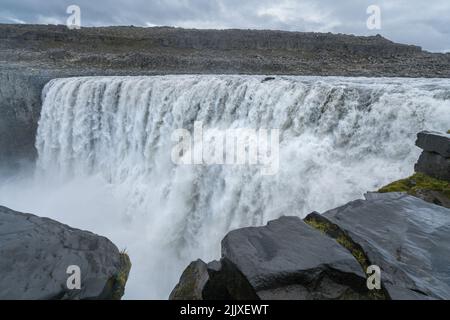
39, 258
431, 182
332, 255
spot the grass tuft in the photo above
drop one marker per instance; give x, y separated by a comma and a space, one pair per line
417, 183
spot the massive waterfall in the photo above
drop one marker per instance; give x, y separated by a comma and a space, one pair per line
339, 137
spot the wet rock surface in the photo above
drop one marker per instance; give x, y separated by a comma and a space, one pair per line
287, 259
35, 254
408, 238
436, 142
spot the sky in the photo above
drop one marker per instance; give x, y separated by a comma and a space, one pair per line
418, 22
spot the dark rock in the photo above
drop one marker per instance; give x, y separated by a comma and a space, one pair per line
36, 252
192, 282
434, 165
217, 280
267, 79
20, 105
435, 142
287, 259
408, 238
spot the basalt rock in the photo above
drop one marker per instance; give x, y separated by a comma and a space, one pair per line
286, 259
408, 238
36, 253
324, 258
435, 159
435, 142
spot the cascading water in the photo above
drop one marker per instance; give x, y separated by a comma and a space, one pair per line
339, 137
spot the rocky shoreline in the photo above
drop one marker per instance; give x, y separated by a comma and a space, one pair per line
327, 256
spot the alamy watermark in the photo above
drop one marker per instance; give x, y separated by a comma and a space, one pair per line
74, 19
374, 20
74, 280
236, 146
374, 277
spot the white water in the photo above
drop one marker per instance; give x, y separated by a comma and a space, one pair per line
104, 164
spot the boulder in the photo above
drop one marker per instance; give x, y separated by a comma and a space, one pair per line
408, 238
436, 142
192, 282
434, 165
36, 253
286, 259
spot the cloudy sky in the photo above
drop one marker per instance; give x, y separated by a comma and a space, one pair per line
420, 22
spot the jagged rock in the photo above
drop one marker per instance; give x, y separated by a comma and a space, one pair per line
287, 259
435, 142
408, 238
434, 165
36, 252
192, 282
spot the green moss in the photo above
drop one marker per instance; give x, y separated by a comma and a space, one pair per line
119, 280
448, 131
323, 227
416, 183
332, 230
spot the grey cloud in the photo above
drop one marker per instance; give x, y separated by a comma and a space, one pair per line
419, 22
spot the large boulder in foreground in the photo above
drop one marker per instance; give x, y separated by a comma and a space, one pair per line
36, 252
324, 257
286, 259
408, 238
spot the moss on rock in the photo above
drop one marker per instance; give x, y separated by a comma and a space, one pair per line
416, 184
322, 224
115, 287
332, 230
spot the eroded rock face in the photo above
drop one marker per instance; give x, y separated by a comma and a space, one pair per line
20, 105
435, 159
408, 238
434, 165
36, 252
436, 142
287, 259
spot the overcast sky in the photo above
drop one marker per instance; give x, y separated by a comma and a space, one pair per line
421, 22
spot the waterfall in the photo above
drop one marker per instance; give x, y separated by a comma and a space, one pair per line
339, 137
